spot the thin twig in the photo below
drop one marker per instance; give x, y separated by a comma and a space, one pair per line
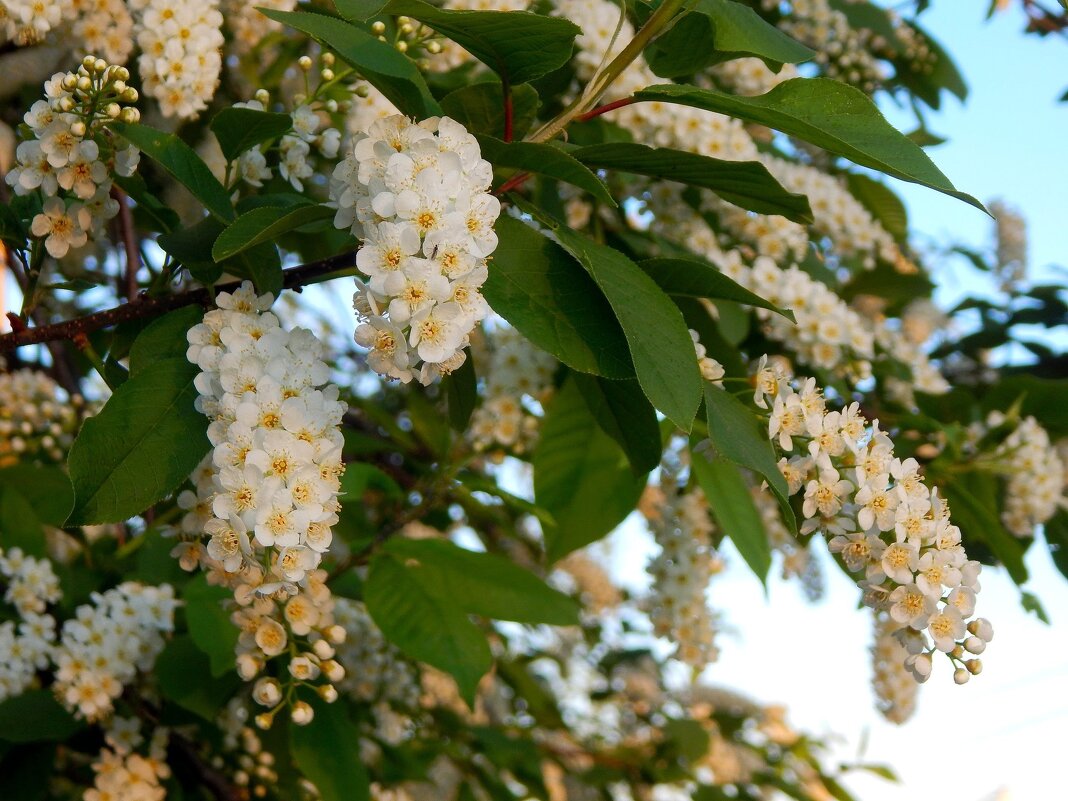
146, 306
129, 242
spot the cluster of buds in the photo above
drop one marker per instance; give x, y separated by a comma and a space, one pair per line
72, 155
38, 420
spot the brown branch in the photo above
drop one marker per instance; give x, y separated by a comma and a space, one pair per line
211, 779
129, 243
146, 306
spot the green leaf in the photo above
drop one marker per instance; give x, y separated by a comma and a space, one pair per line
536, 286
183, 164
692, 278
209, 623
20, 527
625, 414
264, 224
720, 30
659, 341
745, 183
517, 45
164, 338
182, 671
360, 10
46, 489
486, 584
192, 248
734, 510
829, 114
688, 738
581, 476
241, 129
36, 716
150, 213
1056, 531
461, 393
142, 445
1030, 602
425, 626
881, 202
480, 108
327, 753
389, 71
545, 160
973, 507
737, 435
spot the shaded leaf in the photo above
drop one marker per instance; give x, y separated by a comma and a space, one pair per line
164, 338
241, 129
142, 445
209, 623
623, 413
327, 752
461, 393
829, 114
46, 489
480, 108
264, 224
543, 159
699, 279
36, 716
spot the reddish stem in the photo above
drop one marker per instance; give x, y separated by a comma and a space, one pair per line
597, 112
514, 182
129, 242
506, 91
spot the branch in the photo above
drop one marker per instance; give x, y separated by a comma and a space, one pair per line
146, 306
129, 243
213, 780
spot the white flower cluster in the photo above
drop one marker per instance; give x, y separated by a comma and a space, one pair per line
375, 670
181, 52
37, 418
26, 645
895, 690
682, 569
27, 22
750, 76
1035, 475
417, 195
517, 370
797, 561
248, 25
122, 774
1010, 229
711, 370
105, 27
367, 106
842, 51
879, 515
295, 162
72, 150
106, 643
267, 493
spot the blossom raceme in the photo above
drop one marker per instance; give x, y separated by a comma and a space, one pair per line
29, 585
72, 157
417, 196
38, 419
107, 642
266, 495
895, 689
878, 514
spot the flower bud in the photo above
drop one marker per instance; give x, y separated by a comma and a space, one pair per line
70, 81
378, 28
974, 645
302, 713
982, 629
336, 634
263, 96
88, 61
975, 666
305, 63
85, 83
433, 48
122, 74
402, 46
264, 720
119, 86
333, 670
130, 115
100, 65
113, 110
248, 666
327, 74
78, 128
328, 59
961, 676
323, 649
406, 29
327, 692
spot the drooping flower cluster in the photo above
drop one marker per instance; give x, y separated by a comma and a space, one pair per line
1035, 475
267, 493
895, 690
375, 670
29, 584
37, 418
181, 52
1010, 229
248, 25
750, 76
797, 561
255, 766
107, 642
73, 151
517, 372
123, 774
682, 569
878, 515
417, 195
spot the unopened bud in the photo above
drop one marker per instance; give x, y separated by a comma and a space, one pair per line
100, 65
333, 670
85, 83
975, 666
130, 115
957, 652
974, 645
78, 128
327, 692
406, 28
70, 81
88, 61
982, 629
113, 110
378, 28
122, 74
402, 46
264, 720
129, 94
336, 634
433, 48
267, 692
327, 74
328, 59
302, 713
961, 676
119, 86
403, 20
305, 63
323, 649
